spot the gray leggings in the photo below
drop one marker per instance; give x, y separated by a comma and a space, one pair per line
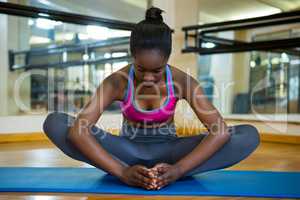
148, 146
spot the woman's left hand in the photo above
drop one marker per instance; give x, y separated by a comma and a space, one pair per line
166, 174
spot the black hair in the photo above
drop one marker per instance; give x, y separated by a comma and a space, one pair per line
151, 33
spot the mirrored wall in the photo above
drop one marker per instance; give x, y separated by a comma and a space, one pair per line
49, 65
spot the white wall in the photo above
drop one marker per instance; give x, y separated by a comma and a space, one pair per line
222, 72
34, 123
3, 65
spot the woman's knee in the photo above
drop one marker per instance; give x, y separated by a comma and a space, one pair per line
56, 126
249, 136
56, 122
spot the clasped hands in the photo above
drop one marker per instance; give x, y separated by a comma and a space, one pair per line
153, 178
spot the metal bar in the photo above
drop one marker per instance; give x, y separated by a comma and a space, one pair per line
196, 40
222, 41
11, 60
243, 21
261, 45
222, 44
75, 47
73, 63
253, 25
186, 39
34, 12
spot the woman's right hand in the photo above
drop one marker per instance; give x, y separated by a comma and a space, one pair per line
140, 176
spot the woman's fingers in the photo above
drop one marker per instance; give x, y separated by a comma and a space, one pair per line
137, 175
162, 170
148, 175
155, 178
159, 165
143, 178
142, 184
149, 181
146, 172
165, 179
162, 174
141, 181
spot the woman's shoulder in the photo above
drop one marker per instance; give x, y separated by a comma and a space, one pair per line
184, 80
178, 75
120, 76
119, 79
179, 79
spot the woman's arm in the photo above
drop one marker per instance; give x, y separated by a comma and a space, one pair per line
218, 135
211, 119
80, 136
79, 133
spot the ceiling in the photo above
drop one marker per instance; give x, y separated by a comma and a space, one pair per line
209, 10
125, 10
241, 9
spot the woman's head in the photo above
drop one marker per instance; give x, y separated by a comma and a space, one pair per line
151, 44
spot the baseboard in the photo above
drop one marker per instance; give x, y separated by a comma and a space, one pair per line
40, 136
22, 137
271, 137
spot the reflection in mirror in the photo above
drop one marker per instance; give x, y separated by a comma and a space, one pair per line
54, 65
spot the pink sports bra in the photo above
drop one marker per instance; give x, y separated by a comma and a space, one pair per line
131, 110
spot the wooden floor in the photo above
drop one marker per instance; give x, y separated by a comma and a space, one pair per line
268, 156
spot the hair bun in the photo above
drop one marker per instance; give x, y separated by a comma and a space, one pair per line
154, 14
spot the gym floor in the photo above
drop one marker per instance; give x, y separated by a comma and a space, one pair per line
268, 156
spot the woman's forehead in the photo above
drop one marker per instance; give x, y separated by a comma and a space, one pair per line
150, 59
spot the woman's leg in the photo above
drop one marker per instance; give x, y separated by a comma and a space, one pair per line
56, 128
243, 141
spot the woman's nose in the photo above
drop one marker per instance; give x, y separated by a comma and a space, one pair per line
148, 77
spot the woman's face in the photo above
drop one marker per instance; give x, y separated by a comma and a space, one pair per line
149, 66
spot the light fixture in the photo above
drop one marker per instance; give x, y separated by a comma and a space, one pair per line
275, 61
208, 45
82, 36
44, 24
39, 40
64, 56
85, 57
119, 54
97, 32
252, 63
107, 55
30, 22
47, 24
284, 58
44, 15
295, 62
69, 36
119, 33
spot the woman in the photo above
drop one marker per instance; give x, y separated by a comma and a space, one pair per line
148, 153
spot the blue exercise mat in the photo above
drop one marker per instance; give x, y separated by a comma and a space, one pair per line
92, 180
